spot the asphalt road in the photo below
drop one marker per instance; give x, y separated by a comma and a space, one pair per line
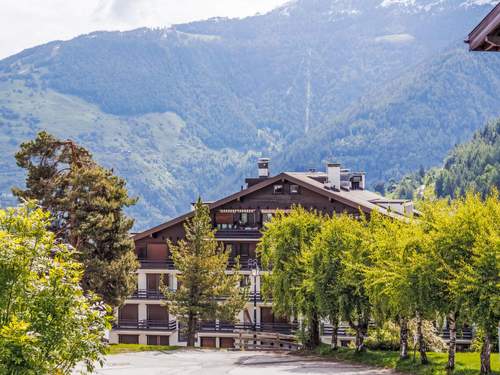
208, 362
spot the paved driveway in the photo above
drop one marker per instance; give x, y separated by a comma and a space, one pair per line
207, 362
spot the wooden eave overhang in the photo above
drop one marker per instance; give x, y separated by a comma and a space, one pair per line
313, 185
485, 36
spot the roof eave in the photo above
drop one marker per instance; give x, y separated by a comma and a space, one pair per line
478, 36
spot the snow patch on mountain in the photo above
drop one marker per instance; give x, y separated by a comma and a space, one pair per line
286, 8
395, 38
471, 3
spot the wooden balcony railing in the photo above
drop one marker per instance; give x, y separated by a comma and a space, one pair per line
284, 328
157, 295
465, 334
157, 264
147, 294
147, 324
169, 264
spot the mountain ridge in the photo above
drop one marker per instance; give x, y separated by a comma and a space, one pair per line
185, 111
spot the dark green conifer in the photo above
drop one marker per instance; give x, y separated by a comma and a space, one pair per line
86, 202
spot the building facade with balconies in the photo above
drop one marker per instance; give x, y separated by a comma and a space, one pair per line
239, 219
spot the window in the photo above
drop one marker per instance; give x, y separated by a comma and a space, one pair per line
158, 340
244, 250
128, 339
278, 189
266, 217
245, 281
244, 218
294, 189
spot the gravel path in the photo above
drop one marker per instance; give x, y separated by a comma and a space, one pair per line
211, 362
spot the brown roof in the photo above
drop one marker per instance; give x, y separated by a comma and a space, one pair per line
358, 199
485, 36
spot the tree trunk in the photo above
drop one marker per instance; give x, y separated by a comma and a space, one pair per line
452, 346
421, 341
335, 328
191, 331
403, 338
361, 329
485, 354
313, 334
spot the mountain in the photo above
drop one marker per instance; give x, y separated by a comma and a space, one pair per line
471, 166
382, 85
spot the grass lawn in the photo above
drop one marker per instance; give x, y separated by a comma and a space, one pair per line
130, 348
466, 363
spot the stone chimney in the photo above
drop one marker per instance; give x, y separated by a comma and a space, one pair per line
333, 173
263, 165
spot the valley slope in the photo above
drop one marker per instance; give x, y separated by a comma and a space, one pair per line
376, 84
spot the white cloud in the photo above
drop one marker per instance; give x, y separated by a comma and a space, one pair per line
26, 23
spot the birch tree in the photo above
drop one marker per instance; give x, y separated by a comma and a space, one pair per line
285, 250
475, 280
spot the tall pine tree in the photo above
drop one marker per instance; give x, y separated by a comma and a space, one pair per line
206, 291
86, 202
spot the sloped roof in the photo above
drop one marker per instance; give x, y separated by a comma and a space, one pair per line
485, 36
357, 199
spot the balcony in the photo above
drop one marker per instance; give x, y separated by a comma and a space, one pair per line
156, 264
283, 328
147, 324
252, 233
157, 295
147, 294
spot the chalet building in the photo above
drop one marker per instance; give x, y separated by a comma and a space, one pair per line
239, 219
486, 35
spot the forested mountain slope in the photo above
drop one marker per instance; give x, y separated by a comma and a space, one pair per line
382, 85
470, 166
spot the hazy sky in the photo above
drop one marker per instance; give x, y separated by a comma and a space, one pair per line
26, 23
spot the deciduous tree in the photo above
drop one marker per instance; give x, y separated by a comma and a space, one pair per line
475, 279
355, 306
47, 323
401, 278
285, 249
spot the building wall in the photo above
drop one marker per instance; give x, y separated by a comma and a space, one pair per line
263, 199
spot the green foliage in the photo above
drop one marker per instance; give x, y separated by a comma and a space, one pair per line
203, 280
339, 259
471, 166
400, 279
467, 363
385, 337
183, 106
133, 348
286, 248
86, 202
47, 323
476, 279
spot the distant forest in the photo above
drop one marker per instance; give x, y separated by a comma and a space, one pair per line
474, 165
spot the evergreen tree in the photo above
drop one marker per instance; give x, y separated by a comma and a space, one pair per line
86, 202
203, 280
285, 249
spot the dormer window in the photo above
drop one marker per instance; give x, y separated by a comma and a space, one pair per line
278, 189
294, 189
